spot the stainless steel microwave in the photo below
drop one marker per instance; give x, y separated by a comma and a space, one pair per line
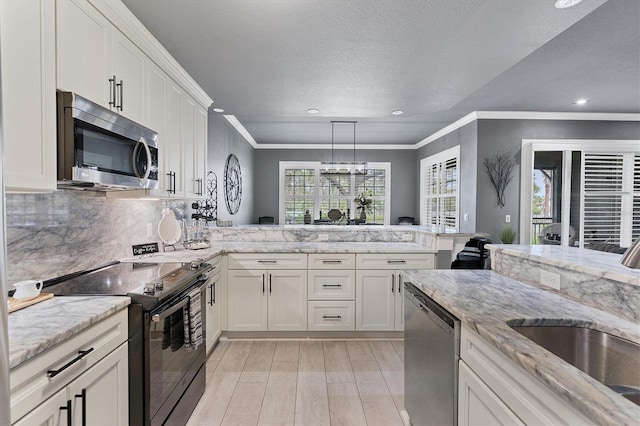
101, 150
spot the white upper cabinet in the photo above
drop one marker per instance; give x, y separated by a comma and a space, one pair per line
129, 69
84, 38
27, 34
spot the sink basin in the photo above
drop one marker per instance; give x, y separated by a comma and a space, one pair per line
613, 361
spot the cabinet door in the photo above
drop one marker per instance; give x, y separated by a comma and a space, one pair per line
53, 412
375, 300
83, 46
129, 67
247, 300
172, 145
287, 300
201, 149
28, 94
188, 146
478, 405
213, 312
101, 394
157, 82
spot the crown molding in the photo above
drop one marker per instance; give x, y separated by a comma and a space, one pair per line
335, 146
567, 116
127, 23
242, 130
471, 117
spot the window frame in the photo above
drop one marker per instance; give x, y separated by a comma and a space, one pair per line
440, 159
315, 165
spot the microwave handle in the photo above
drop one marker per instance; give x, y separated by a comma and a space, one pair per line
149, 159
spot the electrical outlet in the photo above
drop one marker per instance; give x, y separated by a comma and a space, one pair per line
465, 217
550, 279
323, 237
507, 218
149, 230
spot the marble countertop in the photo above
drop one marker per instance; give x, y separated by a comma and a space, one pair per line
182, 255
436, 230
599, 263
484, 300
39, 327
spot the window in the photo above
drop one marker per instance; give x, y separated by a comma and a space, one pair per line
303, 187
439, 188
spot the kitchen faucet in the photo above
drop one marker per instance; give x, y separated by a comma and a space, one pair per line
631, 258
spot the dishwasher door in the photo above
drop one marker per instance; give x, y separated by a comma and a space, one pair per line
432, 350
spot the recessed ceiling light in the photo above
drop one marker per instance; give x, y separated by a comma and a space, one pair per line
218, 110
582, 101
563, 4
397, 112
313, 110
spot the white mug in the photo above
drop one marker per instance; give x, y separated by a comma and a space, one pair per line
27, 290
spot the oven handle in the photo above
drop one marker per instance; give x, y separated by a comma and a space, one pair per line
164, 314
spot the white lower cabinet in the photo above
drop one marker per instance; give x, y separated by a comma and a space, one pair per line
478, 405
267, 300
331, 315
91, 386
379, 288
213, 323
493, 389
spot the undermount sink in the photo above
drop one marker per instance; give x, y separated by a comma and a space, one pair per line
612, 361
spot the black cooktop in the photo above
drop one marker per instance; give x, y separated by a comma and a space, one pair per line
128, 279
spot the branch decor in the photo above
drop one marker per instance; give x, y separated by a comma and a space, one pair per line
499, 168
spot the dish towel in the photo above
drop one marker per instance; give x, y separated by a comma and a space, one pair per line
193, 321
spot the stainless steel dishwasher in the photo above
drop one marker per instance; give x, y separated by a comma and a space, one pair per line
432, 350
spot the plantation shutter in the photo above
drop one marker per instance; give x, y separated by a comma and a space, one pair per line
611, 206
440, 189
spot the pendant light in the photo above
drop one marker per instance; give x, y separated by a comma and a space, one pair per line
343, 168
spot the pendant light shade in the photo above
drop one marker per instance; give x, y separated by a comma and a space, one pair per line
343, 168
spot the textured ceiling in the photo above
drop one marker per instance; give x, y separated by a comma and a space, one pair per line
267, 62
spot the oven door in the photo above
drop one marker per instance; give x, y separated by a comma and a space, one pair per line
172, 367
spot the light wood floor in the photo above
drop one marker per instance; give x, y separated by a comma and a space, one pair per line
308, 382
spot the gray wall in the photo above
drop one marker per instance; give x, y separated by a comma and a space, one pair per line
467, 138
224, 139
506, 135
403, 176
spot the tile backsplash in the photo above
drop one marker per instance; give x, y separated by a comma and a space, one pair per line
49, 235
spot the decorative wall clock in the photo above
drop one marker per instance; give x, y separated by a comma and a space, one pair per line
232, 184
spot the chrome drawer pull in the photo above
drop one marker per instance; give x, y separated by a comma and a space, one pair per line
268, 262
331, 317
81, 354
332, 262
332, 285
395, 262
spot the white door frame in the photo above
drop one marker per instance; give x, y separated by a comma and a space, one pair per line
529, 146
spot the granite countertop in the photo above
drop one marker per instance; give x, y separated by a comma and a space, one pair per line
39, 327
484, 300
599, 263
216, 248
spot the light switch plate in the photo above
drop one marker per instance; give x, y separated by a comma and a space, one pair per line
465, 217
507, 218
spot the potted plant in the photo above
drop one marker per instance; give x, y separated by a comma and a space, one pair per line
363, 204
507, 235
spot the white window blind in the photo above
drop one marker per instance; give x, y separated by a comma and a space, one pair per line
439, 189
611, 198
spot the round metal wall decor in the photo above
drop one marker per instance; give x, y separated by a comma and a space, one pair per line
232, 184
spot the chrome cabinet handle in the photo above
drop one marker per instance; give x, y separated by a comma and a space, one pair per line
396, 262
332, 285
172, 182
331, 317
120, 85
262, 283
269, 283
332, 262
399, 283
199, 186
83, 395
268, 262
81, 354
393, 282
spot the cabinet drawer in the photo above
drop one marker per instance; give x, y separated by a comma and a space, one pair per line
395, 261
331, 316
267, 261
332, 261
332, 285
29, 382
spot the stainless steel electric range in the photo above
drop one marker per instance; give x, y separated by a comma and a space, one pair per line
166, 370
